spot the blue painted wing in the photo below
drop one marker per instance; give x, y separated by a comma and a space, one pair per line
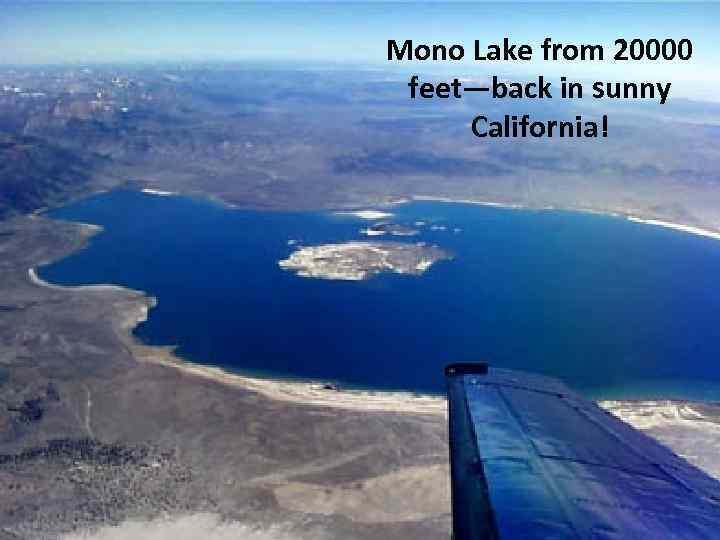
530, 460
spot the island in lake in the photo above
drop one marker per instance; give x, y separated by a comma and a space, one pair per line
380, 229
355, 261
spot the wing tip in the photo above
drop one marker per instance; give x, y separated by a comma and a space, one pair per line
466, 368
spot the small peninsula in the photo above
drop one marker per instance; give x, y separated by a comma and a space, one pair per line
355, 261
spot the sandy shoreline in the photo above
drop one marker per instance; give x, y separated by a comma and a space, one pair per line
431, 198
303, 393
677, 226
87, 230
690, 229
300, 392
37, 280
373, 214
306, 393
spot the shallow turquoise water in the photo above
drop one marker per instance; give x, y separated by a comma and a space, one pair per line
616, 309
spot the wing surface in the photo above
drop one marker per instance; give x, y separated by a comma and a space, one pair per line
530, 459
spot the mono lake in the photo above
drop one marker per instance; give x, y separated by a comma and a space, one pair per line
614, 308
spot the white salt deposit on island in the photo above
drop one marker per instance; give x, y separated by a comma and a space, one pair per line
355, 261
372, 232
157, 192
423, 265
370, 215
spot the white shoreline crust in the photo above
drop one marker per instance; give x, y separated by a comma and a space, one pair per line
690, 229
677, 227
304, 393
37, 280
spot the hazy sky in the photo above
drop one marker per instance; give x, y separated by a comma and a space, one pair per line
340, 32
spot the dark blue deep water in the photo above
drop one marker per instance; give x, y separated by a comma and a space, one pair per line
616, 309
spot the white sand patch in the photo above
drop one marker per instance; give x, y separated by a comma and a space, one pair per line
158, 192
370, 215
423, 265
409, 494
190, 527
683, 427
372, 232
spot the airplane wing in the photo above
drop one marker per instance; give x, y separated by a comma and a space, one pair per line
530, 460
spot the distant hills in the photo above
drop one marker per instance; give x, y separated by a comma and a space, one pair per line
35, 173
292, 138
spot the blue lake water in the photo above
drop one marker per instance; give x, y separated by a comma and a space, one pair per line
614, 308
